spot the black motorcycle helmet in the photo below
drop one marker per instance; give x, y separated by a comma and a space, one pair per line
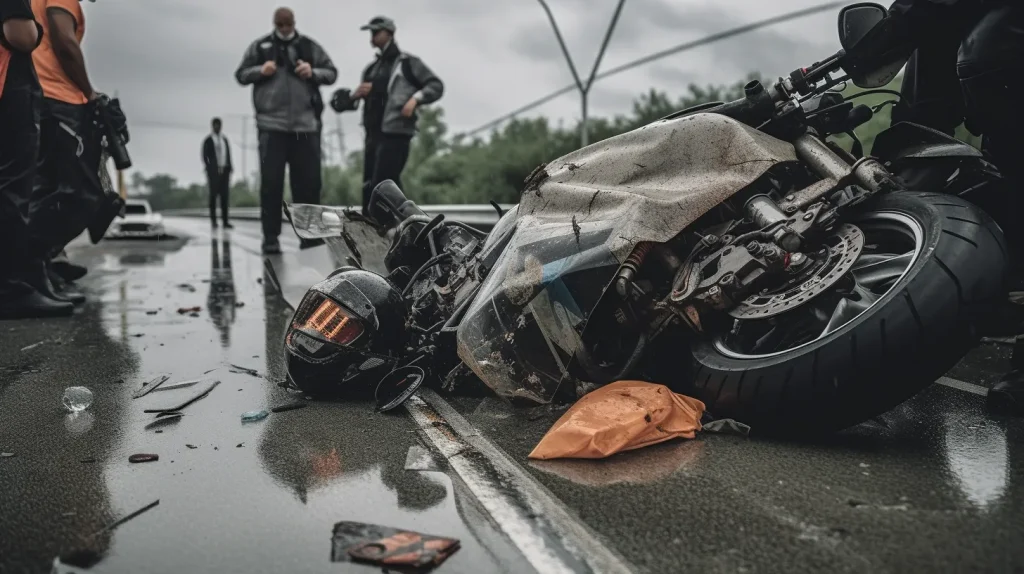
347, 328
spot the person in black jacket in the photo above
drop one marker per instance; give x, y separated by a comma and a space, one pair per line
20, 98
217, 161
966, 67
392, 88
286, 70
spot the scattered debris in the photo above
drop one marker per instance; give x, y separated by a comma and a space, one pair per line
87, 460
618, 417
131, 516
397, 386
187, 287
32, 346
6, 454
181, 385
189, 310
239, 304
389, 547
192, 446
196, 314
158, 431
169, 414
288, 407
253, 416
151, 312
211, 370
201, 395
244, 370
727, 426
240, 445
135, 458
419, 458
137, 335
77, 399
150, 386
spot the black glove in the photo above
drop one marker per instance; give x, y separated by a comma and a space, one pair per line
342, 101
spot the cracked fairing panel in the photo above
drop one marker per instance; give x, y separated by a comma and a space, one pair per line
578, 219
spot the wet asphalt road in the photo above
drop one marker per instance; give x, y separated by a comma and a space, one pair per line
937, 485
234, 497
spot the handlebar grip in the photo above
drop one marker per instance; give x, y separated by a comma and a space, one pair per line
754, 109
389, 205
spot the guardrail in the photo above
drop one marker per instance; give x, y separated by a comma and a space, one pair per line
483, 216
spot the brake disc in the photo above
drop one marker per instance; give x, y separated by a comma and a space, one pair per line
843, 248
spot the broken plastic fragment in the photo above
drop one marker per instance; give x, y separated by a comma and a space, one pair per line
6, 454
289, 407
77, 399
187, 310
192, 446
389, 547
253, 416
244, 370
727, 426
143, 458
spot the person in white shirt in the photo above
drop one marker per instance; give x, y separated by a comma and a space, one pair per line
217, 159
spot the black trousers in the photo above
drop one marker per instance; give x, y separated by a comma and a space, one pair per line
219, 184
384, 158
67, 193
300, 152
19, 147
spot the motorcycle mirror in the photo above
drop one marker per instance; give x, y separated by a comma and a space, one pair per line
856, 20
397, 386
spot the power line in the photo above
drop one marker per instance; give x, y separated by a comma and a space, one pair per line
662, 54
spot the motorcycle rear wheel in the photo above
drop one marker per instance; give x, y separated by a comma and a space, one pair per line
932, 274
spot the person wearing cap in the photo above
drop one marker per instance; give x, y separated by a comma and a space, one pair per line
286, 70
393, 87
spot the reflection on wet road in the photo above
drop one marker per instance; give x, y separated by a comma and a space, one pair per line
234, 497
937, 485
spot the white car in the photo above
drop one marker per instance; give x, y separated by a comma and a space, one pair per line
138, 221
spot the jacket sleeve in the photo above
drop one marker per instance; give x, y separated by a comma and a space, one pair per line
203, 154
324, 72
249, 70
433, 87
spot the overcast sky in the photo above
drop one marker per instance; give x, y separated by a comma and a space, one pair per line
172, 61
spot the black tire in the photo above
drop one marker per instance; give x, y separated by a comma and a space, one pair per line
909, 338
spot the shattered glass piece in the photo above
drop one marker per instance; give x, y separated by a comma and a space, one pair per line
253, 416
419, 458
77, 399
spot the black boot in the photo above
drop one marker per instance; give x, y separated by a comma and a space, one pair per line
36, 276
271, 247
64, 289
67, 270
20, 301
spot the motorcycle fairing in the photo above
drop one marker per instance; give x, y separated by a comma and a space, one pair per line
578, 220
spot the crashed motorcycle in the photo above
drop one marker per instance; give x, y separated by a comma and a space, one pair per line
732, 251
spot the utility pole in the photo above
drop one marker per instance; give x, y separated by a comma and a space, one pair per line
584, 89
245, 151
340, 131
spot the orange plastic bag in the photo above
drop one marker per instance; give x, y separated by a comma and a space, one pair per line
618, 417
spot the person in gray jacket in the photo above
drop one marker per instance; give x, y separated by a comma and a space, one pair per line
393, 87
286, 71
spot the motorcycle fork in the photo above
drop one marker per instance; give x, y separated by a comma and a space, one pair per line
867, 173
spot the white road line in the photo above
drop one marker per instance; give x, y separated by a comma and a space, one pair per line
962, 386
547, 535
